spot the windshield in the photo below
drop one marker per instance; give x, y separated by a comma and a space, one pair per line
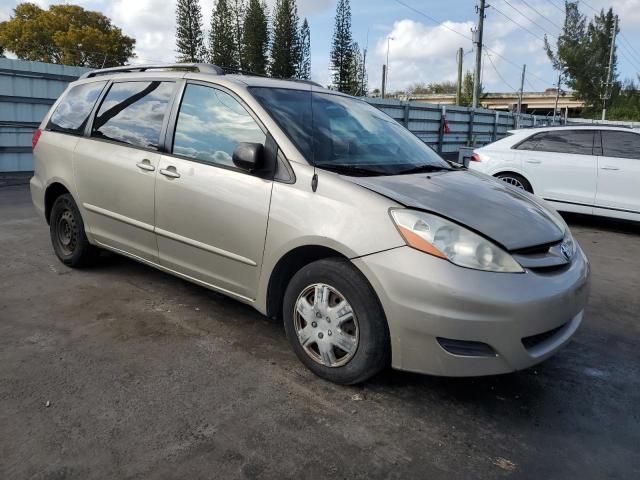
346, 135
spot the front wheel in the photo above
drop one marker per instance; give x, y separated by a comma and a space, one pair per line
515, 180
335, 323
67, 234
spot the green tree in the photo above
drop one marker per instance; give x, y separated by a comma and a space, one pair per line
239, 9
303, 69
65, 34
625, 103
285, 51
582, 54
342, 49
189, 36
256, 37
446, 87
222, 46
358, 84
466, 99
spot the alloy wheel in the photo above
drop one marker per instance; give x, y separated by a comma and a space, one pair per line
513, 181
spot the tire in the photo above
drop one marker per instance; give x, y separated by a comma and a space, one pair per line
67, 234
325, 325
515, 180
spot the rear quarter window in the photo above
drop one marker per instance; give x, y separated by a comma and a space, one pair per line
72, 113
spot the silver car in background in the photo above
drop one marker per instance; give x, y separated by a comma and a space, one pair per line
313, 207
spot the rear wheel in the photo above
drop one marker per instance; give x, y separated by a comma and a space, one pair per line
515, 180
67, 234
335, 323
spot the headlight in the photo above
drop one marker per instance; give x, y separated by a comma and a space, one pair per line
439, 237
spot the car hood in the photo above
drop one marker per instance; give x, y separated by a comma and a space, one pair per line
510, 217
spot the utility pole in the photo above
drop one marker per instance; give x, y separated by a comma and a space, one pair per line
459, 86
607, 86
524, 71
477, 40
384, 80
385, 70
555, 108
364, 63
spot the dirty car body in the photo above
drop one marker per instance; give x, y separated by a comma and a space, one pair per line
314, 207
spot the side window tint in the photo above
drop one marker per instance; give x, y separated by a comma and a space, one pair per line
530, 143
73, 111
210, 125
567, 141
132, 113
621, 144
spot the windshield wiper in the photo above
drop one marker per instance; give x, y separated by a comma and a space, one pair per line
424, 169
351, 170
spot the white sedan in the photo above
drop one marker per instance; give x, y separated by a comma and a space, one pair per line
593, 169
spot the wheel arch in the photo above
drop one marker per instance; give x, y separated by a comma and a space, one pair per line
514, 171
53, 191
287, 266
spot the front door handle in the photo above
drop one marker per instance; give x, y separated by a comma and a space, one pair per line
609, 167
145, 165
170, 172
534, 161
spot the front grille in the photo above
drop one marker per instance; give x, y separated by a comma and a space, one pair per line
535, 340
547, 258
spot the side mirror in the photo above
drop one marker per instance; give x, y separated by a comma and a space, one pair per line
248, 156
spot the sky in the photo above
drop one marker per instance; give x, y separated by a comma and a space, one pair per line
424, 36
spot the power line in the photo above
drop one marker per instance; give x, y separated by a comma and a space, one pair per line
441, 24
499, 75
531, 7
556, 5
419, 12
630, 46
518, 24
545, 82
526, 17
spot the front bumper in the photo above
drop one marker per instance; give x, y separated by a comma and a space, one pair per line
426, 298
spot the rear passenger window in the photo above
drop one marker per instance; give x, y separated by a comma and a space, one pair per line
72, 113
578, 142
210, 125
621, 144
132, 113
529, 144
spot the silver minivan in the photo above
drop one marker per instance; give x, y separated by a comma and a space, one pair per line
313, 207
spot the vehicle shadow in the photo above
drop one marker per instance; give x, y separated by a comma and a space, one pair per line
601, 223
520, 394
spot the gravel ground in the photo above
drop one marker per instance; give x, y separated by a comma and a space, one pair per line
122, 371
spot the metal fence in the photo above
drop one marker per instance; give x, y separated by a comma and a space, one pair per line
448, 128
27, 91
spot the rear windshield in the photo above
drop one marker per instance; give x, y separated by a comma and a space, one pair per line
72, 113
346, 135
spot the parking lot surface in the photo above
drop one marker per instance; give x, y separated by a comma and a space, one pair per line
121, 371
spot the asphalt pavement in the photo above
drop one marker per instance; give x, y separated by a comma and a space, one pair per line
121, 371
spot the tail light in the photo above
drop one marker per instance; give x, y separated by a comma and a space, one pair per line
35, 138
475, 158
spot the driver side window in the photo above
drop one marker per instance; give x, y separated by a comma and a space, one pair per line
210, 125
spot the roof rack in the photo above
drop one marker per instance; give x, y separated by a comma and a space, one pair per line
199, 67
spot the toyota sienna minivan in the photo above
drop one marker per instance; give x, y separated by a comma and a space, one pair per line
313, 207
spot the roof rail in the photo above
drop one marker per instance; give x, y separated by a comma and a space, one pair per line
200, 67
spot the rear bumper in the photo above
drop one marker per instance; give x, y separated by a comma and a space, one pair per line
426, 298
37, 194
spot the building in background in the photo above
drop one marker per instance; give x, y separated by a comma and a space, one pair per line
27, 91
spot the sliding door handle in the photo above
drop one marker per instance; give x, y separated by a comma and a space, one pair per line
170, 172
145, 165
609, 167
534, 161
